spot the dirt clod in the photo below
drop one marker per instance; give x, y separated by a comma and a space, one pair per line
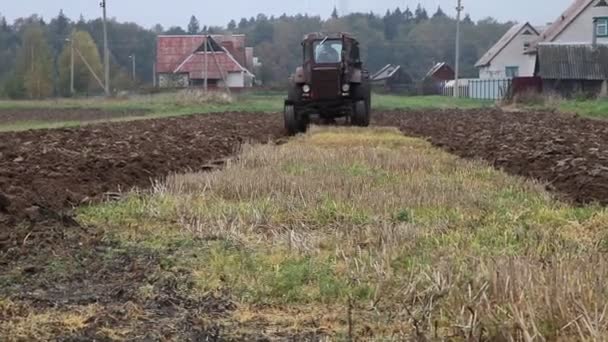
5, 202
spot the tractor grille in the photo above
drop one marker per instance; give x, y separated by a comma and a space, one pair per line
326, 84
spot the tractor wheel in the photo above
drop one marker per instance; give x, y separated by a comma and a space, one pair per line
360, 115
294, 124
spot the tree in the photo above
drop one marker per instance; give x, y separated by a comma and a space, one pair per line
467, 19
232, 25
194, 26
408, 15
36, 63
439, 13
3, 24
158, 29
420, 14
175, 30
243, 23
84, 81
334, 13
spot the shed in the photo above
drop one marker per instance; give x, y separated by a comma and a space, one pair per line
393, 78
572, 68
435, 79
441, 72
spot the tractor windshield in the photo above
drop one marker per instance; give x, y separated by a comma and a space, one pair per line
328, 51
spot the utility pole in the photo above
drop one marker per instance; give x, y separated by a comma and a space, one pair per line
459, 9
71, 41
154, 74
206, 64
132, 57
106, 52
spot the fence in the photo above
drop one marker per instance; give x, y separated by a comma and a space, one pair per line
448, 89
490, 89
481, 89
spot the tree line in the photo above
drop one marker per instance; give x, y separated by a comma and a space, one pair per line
36, 55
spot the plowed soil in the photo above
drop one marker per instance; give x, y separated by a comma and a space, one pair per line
568, 153
62, 168
49, 262
51, 265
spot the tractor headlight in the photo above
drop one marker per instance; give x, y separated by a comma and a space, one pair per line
346, 87
306, 88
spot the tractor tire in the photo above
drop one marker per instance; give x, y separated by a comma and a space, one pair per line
294, 124
294, 93
361, 114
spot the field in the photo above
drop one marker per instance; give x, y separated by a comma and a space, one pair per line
455, 221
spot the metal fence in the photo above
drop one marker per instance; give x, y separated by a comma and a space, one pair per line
448, 90
481, 89
490, 89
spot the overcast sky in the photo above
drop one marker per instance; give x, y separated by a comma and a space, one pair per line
218, 12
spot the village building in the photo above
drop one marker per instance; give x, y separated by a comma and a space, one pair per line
190, 60
508, 58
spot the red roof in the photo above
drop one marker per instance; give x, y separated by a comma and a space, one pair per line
195, 65
179, 54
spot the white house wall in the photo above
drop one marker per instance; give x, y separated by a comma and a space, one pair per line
581, 30
236, 79
511, 56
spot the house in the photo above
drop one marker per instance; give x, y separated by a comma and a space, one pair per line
508, 58
186, 61
583, 22
572, 53
393, 78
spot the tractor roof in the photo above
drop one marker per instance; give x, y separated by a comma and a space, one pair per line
323, 35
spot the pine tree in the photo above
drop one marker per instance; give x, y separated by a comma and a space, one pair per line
194, 27
407, 14
439, 13
420, 14
3, 24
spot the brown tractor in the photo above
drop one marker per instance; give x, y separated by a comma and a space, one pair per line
330, 84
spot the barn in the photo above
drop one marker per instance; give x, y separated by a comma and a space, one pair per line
186, 61
392, 78
569, 69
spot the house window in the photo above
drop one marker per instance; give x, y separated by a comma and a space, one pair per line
601, 27
512, 71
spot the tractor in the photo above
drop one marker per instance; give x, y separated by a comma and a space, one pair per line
331, 83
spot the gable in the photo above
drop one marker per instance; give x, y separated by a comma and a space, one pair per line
505, 40
570, 17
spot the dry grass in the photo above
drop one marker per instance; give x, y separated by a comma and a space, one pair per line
371, 234
200, 97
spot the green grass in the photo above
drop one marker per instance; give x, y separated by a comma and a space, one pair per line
387, 102
401, 232
168, 105
589, 108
